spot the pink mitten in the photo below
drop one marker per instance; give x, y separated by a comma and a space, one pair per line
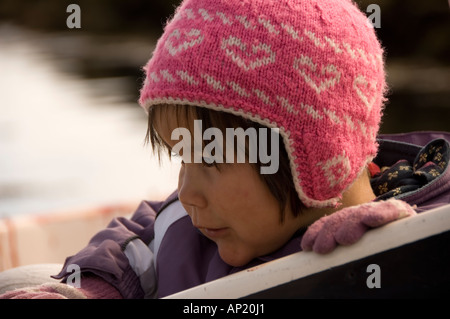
349, 224
93, 287
45, 291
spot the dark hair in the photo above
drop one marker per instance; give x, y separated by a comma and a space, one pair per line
280, 184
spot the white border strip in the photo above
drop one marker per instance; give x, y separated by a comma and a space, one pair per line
168, 216
302, 264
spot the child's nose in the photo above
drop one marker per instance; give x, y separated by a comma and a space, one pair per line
190, 187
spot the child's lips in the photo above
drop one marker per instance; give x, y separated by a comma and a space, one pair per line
214, 232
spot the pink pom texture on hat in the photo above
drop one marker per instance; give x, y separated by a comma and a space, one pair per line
314, 69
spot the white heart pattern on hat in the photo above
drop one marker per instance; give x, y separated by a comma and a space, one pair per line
190, 38
361, 85
336, 169
253, 61
331, 73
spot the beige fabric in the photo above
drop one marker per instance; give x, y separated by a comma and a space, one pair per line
27, 276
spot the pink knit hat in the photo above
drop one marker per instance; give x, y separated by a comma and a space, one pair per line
314, 69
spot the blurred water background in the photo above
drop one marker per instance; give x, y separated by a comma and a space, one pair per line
72, 133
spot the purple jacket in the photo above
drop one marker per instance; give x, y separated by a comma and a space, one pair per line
149, 257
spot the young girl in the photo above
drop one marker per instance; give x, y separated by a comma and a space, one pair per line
307, 76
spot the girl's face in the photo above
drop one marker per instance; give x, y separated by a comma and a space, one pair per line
233, 207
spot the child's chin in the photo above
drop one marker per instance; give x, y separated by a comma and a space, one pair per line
234, 259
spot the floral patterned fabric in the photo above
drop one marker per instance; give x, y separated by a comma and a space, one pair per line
403, 176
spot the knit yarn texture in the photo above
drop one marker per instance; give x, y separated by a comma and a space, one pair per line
314, 69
